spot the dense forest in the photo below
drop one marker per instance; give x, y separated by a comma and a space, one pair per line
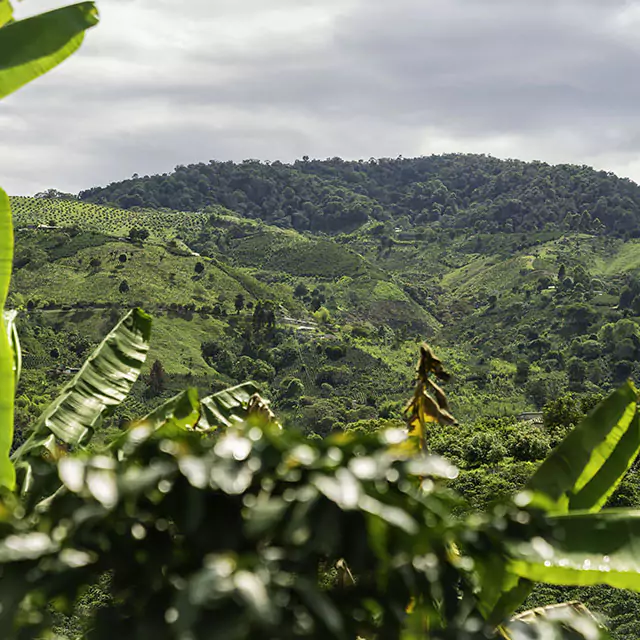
477, 193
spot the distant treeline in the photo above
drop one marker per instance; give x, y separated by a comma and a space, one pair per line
475, 192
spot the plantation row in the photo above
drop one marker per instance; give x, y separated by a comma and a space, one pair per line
161, 225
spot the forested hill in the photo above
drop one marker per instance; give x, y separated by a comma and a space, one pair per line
474, 192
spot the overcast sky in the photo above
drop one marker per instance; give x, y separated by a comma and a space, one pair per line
165, 82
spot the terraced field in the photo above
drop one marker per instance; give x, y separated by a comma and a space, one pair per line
162, 225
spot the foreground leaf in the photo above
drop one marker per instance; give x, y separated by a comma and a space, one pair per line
181, 412
29, 48
10, 318
186, 412
570, 620
7, 376
585, 469
583, 549
104, 381
6, 12
228, 407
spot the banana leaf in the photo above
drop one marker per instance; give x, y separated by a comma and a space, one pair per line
180, 412
6, 12
10, 318
585, 469
29, 48
227, 407
185, 411
582, 549
580, 474
103, 382
7, 361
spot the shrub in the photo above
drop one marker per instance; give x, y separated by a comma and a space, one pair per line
527, 442
322, 315
484, 448
291, 387
336, 352
335, 376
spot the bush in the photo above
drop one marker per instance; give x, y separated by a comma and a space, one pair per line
336, 352
484, 448
291, 387
335, 376
322, 315
527, 442
218, 357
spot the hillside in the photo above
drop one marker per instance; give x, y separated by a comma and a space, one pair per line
319, 279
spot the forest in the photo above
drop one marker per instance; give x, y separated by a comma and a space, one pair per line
212, 424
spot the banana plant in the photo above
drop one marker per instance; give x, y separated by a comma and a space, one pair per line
187, 412
7, 376
103, 382
569, 539
28, 49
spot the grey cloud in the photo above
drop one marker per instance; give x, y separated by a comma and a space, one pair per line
553, 79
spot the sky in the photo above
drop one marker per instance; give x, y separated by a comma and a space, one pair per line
161, 83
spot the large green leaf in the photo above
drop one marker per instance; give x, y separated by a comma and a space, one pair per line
180, 412
226, 408
569, 620
583, 549
581, 473
104, 381
584, 470
6, 12
186, 412
10, 318
7, 375
31, 47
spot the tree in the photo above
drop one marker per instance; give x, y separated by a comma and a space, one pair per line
522, 371
301, 290
124, 287
562, 272
199, 268
264, 316
239, 303
580, 317
322, 315
577, 370
138, 235
626, 298
156, 379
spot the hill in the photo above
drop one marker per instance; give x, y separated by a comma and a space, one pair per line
473, 192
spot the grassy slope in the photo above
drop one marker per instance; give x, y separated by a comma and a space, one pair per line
364, 284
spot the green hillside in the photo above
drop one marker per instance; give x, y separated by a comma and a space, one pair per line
162, 225
319, 280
